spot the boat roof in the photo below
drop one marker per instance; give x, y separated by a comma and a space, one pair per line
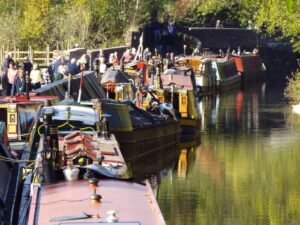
181, 80
133, 203
21, 99
77, 113
114, 76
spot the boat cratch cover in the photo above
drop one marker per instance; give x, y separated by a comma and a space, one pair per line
91, 88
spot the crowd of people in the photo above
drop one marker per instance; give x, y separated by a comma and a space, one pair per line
13, 76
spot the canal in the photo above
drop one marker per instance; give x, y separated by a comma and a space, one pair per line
246, 169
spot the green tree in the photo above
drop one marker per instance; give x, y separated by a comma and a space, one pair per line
35, 20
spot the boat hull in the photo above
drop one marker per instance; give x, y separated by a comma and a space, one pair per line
143, 141
250, 66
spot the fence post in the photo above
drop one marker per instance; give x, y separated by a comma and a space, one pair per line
18, 53
47, 55
15, 52
1, 54
31, 54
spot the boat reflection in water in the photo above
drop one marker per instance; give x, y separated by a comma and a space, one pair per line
178, 168
146, 165
216, 109
246, 170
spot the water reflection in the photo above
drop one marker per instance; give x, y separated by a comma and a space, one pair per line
246, 170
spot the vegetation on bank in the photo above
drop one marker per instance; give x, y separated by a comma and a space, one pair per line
292, 91
95, 23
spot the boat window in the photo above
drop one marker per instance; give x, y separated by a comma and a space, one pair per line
26, 114
3, 115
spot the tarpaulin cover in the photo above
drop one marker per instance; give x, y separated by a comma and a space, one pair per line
141, 118
91, 88
114, 76
226, 69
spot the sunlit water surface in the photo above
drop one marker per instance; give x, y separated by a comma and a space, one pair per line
247, 168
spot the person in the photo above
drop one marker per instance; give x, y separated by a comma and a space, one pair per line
27, 65
62, 72
133, 52
255, 51
172, 33
19, 84
54, 66
219, 24
147, 54
111, 59
102, 66
46, 76
127, 56
156, 27
83, 63
117, 61
72, 67
11, 74
35, 77
3, 75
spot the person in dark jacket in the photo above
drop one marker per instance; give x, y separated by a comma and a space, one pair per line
19, 84
3, 76
73, 67
27, 65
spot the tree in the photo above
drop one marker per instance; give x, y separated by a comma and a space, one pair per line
35, 20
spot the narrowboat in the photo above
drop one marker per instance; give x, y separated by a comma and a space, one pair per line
74, 151
213, 73
10, 181
137, 131
250, 66
205, 76
226, 74
179, 89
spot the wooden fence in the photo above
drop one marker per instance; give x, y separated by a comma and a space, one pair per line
40, 57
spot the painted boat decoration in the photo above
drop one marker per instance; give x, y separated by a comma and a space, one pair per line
250, 66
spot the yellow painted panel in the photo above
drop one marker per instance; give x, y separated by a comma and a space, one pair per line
12, 129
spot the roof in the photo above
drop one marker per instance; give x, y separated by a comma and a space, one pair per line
91, 87
181, 81
133, 202
77, 113
114, 76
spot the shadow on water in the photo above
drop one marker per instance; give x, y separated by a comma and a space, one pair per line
246, 170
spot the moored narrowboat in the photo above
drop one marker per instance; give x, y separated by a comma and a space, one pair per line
10, 181
72, 157
250, 66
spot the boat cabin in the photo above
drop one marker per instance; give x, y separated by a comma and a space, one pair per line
19, 114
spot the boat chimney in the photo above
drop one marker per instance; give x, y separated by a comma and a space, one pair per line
47, 154
69, 86
95, 198
98, 108
184, 50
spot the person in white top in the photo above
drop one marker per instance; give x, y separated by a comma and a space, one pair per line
35, 77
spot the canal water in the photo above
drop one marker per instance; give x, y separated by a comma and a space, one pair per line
246, 169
